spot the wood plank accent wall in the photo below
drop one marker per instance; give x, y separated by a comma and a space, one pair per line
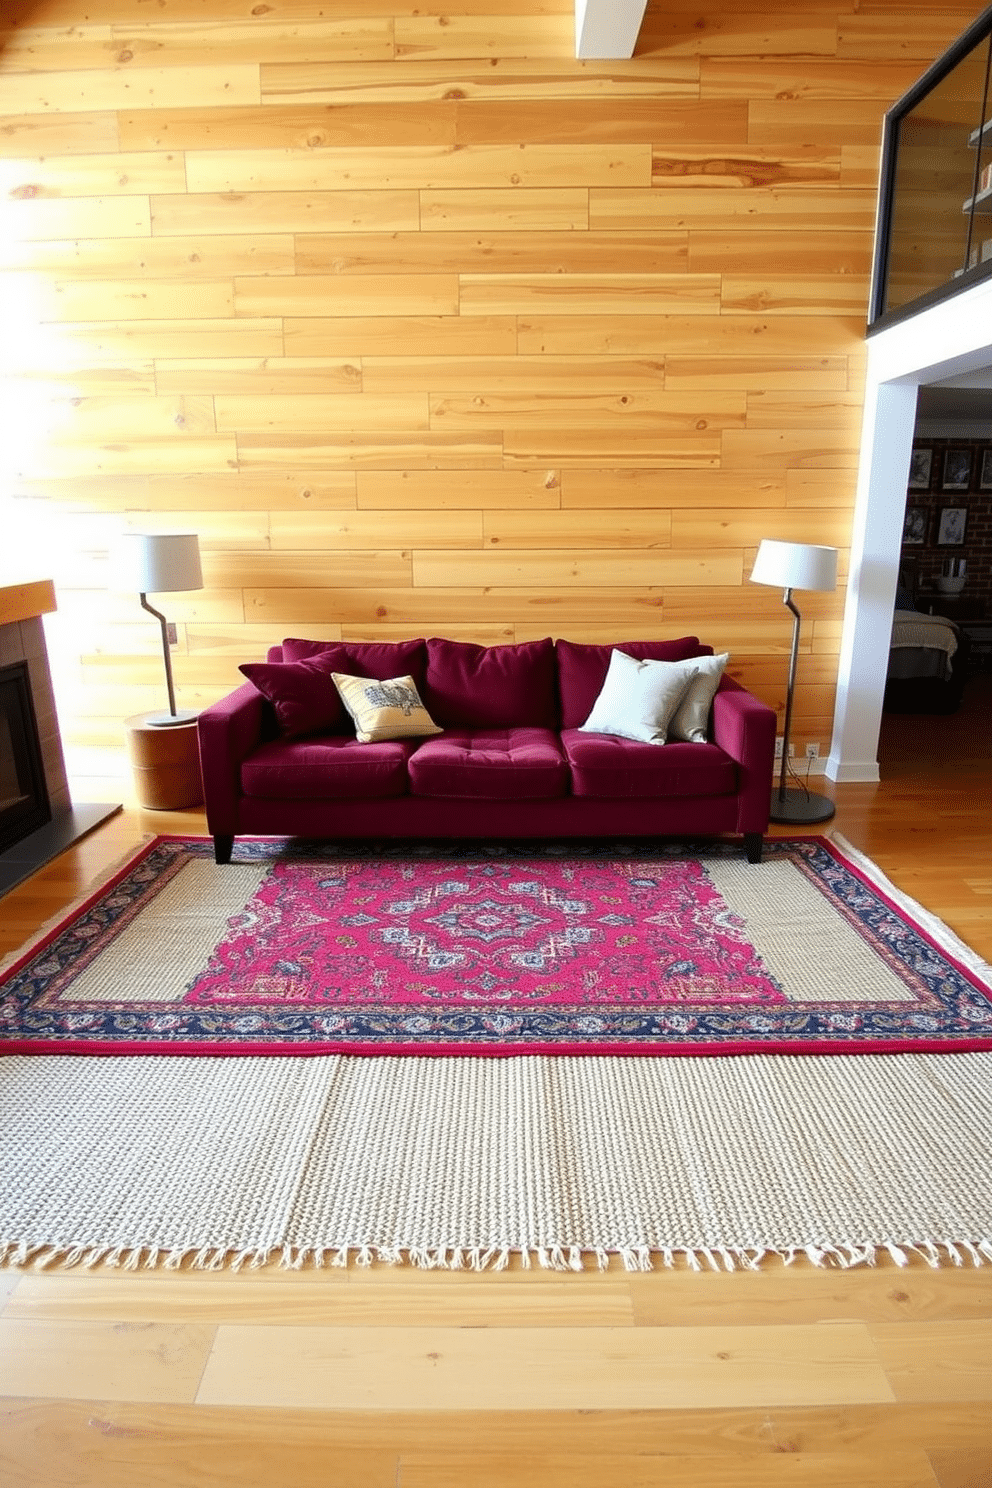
427, 328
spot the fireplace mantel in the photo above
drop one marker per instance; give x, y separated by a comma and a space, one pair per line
26, 601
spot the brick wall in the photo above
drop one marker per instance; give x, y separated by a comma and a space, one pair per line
968, 461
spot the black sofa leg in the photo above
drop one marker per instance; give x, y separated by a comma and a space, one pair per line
223, 844
753, 843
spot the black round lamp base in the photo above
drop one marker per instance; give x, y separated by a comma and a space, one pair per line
800, 806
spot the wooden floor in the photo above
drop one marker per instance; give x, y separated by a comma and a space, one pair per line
393, 1378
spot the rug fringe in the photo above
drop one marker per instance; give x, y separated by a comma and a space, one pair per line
633, 1258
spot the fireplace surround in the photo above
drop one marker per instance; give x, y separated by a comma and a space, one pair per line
40, 819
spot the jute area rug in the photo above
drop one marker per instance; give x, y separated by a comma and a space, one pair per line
561, 1160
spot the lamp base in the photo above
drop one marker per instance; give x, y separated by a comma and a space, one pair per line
800, 806
169, 720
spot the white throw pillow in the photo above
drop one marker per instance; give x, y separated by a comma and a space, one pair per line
384, 710
693, 713
638, 698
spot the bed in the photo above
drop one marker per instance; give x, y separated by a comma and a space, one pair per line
927, 663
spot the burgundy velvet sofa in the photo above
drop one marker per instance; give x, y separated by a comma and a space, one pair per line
510, 763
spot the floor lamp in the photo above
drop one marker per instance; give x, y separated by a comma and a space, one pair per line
788, 566
164, 563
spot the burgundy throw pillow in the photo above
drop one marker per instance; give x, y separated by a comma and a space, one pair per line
469, 686
301, 692
582, 669
378, 659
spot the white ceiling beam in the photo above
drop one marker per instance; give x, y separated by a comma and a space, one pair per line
607, 28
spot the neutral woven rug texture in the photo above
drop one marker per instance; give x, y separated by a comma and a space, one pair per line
448, 1162
561, 1160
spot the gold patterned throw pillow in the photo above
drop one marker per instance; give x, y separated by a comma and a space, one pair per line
384, 710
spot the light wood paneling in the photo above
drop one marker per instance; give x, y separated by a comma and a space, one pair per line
285, 212
509, 80
366, 530
529, 375
286, 126
341, 281
306, 411
277, 377
883, 78
456, 490
608, 528
923, 33
661, 489
92, 175
589, 294
76, 134
754, 336
404, 335
204, 257
314, 490
122, 344
418, 165
634, 411
622, 209
37, 219
533, 210
740, 33
122, 299
474, 36
379, 450
148, 87
579, 567
404, 294
503, 251
179, 44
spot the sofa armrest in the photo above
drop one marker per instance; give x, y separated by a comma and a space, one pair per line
744, 727
228, 731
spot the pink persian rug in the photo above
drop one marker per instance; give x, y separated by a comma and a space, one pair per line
320, 948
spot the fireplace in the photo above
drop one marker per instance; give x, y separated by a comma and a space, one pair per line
37, 817
24, 804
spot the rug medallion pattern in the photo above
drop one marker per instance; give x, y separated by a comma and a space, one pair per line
501, 949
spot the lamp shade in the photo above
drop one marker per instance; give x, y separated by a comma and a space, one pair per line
162, 562
788, 565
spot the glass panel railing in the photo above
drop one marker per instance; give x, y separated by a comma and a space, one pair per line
935, 207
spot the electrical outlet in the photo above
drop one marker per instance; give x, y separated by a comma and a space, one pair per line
812, 751
172, 633
778, 747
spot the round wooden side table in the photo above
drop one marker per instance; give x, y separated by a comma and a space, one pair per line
165, 762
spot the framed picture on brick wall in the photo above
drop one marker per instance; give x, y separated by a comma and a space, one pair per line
920, 467
957, 470
985, 470
950, 529
914, 531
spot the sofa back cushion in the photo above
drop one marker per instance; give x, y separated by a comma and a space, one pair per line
582, 669
469, 686
296, 679
378, 659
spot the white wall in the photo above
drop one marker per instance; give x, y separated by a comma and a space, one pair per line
948, 340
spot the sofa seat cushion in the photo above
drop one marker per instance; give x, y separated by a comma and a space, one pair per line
491, 764
605, 765
333, 767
